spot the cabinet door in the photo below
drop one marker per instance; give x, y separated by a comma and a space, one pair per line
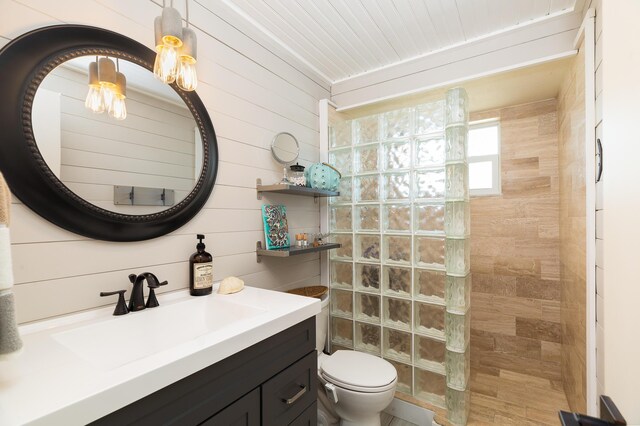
309, 417
243, 412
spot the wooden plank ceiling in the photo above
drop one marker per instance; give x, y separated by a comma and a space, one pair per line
344, 38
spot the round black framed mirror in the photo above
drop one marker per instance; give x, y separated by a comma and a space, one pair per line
42, 58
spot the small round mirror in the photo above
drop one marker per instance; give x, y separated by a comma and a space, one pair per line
285, 148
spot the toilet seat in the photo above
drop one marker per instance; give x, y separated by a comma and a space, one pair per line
358, 372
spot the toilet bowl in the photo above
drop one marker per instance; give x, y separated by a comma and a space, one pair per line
353, 387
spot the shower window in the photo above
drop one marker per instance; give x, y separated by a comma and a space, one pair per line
484, 158
400, 284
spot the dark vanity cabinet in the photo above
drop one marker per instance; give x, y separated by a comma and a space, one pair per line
270, 383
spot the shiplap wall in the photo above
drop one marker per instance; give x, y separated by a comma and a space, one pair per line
153, 147
252, 91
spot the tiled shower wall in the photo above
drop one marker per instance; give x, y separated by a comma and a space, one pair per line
400, 283
515, 251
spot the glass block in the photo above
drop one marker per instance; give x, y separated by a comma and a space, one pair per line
456, 143
341, 159
458, 404
342, 331
429, 117
367, 218
341, 274
342, 303
429, 353
397, 217
396, 313
457, 107
396, 186
429, 183
368, 307
429, 252
397, 249
429, 218
430, 386
458, 368
368, 338
344, 252
367, 129
335, 348
429, 151
368, 247
366, 188
366, 159
457, 219
341, 134
429, 319
341, 218
398, 124
344, 188
405, 376
458, 331
429, 285
457, 182
457, 256
368, 277
396, 345
396, 281
397, 155
457, 294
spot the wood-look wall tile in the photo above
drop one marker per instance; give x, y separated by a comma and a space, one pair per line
487, 320
507, 305
537, 288
520, 346
502, 285
516, 266
551, 310
550, 351
526, 186
538, 329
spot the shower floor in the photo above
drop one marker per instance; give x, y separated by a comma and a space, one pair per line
512, 398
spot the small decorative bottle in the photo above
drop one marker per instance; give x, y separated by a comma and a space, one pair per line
296, 175
200, 271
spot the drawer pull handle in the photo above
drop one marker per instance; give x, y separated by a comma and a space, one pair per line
297, 396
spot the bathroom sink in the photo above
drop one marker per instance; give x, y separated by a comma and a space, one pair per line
117, 341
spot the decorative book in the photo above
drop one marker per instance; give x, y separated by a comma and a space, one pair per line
276, 229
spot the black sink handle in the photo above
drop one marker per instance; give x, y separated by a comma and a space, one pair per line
121, 306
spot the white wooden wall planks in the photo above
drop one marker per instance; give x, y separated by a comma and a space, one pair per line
252, 90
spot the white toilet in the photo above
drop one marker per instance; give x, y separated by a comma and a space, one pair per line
353, 387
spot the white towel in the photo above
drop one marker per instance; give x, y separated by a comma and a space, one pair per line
6, 268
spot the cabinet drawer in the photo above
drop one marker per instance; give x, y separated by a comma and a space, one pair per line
290, 392
309, 417
243, 412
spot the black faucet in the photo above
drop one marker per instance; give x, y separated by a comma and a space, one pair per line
136, 303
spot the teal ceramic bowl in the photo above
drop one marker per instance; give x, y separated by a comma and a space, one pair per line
322, 176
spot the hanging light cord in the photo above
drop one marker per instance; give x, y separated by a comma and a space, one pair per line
186, 2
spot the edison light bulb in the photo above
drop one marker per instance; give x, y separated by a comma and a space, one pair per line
94, 100
118, 109
165, 66
106, 92
187, 77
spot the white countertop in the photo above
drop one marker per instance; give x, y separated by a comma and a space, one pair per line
49, 383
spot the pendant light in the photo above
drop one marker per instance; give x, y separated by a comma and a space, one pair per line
107, 79
168, 39
118, 108
94, 101
187, 78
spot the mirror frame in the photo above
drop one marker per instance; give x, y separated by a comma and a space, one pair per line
273, 150
25, 62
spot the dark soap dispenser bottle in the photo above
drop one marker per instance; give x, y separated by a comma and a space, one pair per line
200, 270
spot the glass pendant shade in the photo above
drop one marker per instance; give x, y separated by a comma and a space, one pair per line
94, 101
107, 78
165, 66
187, 78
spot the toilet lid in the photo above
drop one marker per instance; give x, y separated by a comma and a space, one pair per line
359, 371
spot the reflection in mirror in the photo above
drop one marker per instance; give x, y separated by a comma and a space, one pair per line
158, 145
285, 150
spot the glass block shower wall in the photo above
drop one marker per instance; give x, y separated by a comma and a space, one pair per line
400, 283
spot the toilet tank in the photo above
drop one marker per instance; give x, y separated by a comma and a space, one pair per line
322, 323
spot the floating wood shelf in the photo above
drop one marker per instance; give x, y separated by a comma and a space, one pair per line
292, 251
282, 188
